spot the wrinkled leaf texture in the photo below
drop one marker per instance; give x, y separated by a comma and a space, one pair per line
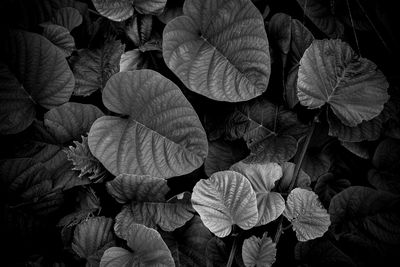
259, 251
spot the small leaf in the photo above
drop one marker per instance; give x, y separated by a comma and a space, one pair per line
206, 49
303, 180
60, 37
85, 162
262, 177
309, 219
152, 7
92, 238
259, 251
353, 87
223, 200
128, 187
70, 120
148, 250
161, 136
328, 185
93, 67
67, 17
320, 14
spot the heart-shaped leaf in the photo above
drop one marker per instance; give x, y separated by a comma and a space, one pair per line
308, 217
259, 251
148, 250
67, 17
91, 238
224, 200
207, 50
331, 73
161, 134
60, 37
269, 130
262, 177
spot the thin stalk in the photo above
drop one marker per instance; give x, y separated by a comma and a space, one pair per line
233, 249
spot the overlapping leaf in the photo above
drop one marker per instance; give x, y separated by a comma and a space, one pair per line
262, 177
224, 200
207, 50
259, 251
269, 130
331, 73
308, 217
161, 135
148, 250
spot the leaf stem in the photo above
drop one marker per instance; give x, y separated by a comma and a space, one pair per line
233, 249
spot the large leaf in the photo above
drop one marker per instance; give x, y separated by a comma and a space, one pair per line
93, 67
257, 252
219, 49
60, 37
262, 177
67, 17
148, 250
70, 120
92, 238
269, 130
320, 14
308, 217
160, 135
331, 73
365, 210
224, 200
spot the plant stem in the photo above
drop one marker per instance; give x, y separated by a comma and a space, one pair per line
296, 174
233, 249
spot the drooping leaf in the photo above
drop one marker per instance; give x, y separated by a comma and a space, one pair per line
222, 154
322, 252
224, 200
207, 50
188, 244
328, 185
319, 13
67, 17
162, 135
262, 177
148, 248
60, 37
269, 130
331, 73
303, 180
308, 217
259, 251
17, 108
93, 67
126, 187
70, 120
359, 209
84, 162
92, 238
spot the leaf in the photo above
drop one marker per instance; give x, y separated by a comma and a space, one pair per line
303, 180
270, 131
322, 252
161, 136
353, 87
93, 67
259, 251
188, 243
309, 219
387, 155
384, 180
70, 120
67, 17
207, 50
117, 10
60, 37
316, 164
126, 187
17, 108
359, 209
148, 250
328, 185
262, 177
222, 154
320, 14
279, 29
152, 7
223, 200
359, 149
84, 162
92, 238
133, 60
217, 253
